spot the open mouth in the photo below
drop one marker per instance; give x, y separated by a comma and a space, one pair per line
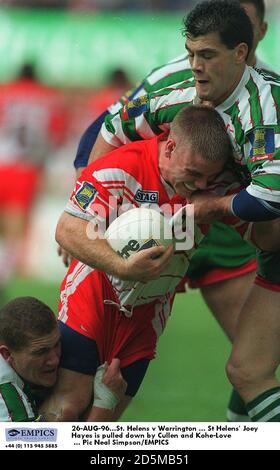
189, 187
50, 371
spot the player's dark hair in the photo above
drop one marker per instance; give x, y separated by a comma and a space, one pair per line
225, 17
24, 319
203, 131
259, 5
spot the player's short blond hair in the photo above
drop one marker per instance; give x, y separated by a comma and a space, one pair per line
22, 320
202, 130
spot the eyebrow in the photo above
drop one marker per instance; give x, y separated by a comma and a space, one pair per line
197, 173
206, 49
40, 351
46, 348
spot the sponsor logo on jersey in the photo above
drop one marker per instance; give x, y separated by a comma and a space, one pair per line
85, 195
136, 107
262, 144
146, 196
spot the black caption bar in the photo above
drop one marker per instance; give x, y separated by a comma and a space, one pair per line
127, 459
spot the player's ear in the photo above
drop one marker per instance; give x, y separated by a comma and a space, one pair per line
241, 52
4, 352
263, 30
169, 147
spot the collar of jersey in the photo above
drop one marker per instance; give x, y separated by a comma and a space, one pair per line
8, 374
235, 96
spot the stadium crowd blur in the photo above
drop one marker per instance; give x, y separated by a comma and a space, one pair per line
90, 5
113, 5
40, 127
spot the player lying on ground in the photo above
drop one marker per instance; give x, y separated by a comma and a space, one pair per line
29, 359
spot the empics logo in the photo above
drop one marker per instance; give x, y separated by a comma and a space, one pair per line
13, 432
31, 435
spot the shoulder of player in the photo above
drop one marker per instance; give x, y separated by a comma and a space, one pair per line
181, 93
255, 105
267, 68
130, 158
15, 404
173, 72
12, 395
133, 157
8, 375
264, 79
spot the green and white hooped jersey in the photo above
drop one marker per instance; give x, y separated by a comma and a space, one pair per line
14, 403
175, 71
251, 115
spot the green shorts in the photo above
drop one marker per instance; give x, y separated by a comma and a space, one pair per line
222, 254
268, 270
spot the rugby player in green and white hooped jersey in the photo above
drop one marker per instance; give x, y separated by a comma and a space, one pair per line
29, 357
16, 401
218, 37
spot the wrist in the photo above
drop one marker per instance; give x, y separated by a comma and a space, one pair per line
223, 206
120, 268
104, 397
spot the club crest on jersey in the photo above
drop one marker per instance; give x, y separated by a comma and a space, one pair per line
136, 107
262, 144
85, 195
146, 196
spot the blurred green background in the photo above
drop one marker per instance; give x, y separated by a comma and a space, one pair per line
80, 49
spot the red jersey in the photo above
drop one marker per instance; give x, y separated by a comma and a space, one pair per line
91, 301
32, 121
129, 177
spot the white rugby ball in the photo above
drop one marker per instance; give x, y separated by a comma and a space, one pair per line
138, 229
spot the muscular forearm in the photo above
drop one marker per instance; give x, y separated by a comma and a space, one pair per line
221, 207
209, 208
81, 240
